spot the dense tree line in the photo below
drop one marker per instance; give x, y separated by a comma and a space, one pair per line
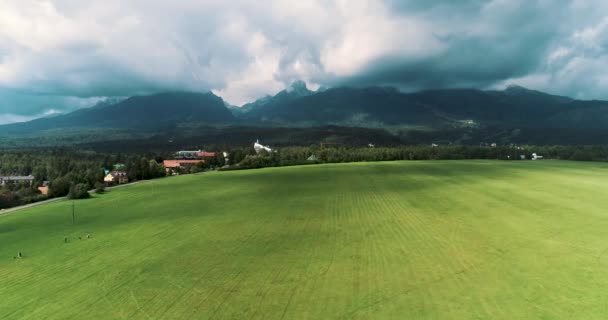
247, 158
71, 171
68, 172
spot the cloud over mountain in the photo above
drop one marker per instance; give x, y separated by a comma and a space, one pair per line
61, 54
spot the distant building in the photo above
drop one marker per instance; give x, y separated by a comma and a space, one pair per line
205, 154
16, 179
179, 164
44, 188
226, 158
194, 155
536, 156
187, 154
116, 177
493, 145
259, 147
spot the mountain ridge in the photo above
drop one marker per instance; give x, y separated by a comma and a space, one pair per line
142, 111
513, 107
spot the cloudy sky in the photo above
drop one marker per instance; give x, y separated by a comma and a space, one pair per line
60, 55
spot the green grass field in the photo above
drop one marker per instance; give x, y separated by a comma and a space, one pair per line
392, 240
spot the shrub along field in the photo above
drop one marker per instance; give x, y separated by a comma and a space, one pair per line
406, 240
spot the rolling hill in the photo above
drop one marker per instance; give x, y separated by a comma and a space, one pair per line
390, 240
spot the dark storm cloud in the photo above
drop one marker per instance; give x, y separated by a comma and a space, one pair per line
486, 46
466, 62
58, 55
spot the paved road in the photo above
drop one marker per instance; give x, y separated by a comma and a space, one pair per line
12, 210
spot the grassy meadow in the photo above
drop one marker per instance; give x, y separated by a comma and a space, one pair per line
390, 240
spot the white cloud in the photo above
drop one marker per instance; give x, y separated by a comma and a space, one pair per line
12, 118
7, 118
369, 32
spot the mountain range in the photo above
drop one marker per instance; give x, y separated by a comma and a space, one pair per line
370, 107
386, 106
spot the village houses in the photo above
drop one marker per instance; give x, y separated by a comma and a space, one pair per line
116, 177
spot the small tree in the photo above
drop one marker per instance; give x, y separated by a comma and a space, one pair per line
59, 187
8, 199
100, 187
79, 191
194, 169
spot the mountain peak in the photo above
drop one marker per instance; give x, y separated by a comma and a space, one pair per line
178, 93
513, 88
299, 88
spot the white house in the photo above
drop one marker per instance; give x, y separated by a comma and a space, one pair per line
259, 147
116, 177
536, 157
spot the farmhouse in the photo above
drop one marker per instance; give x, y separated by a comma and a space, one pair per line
174, 164
116, 177
16, 179
44, 188
179, 164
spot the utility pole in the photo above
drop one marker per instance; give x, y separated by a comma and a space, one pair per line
73, 214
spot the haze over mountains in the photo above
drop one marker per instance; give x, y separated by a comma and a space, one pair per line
357, 107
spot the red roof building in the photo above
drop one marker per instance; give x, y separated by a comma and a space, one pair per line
205, 154
173, 164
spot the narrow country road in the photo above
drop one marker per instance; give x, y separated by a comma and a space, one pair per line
25, 206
